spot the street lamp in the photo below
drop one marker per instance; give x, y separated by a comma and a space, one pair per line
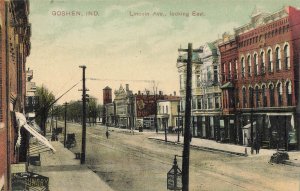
174, 177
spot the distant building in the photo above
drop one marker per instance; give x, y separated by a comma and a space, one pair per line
107, 99
123, 101
167, 113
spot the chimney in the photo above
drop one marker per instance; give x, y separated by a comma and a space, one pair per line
139, 92
127, 87
174, 93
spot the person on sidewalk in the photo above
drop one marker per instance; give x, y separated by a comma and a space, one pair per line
257, 146
107, 134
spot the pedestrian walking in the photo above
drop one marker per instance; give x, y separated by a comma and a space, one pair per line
257, 146
107, 134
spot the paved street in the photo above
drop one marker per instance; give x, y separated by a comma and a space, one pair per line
133, 162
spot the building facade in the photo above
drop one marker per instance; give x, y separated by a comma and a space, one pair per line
124, 113
168, 113
15, 31
206, 92
265, 53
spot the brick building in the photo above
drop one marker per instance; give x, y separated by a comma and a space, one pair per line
259, 71
15, 32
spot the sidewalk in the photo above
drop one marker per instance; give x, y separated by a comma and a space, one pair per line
213, 146
65, 172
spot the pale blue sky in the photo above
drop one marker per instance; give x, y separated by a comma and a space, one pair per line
115, 45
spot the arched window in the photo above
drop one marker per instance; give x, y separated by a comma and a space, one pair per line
262, 63
278, 56
269, 57
244, 98
251, 95
264, 96
167, 109
255, 65
249, 65
288, 91
287, 57
243, 67
229, 71
272, 99
279, 94
257, 102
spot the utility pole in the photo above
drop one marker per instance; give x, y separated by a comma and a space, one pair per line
187, 120
65, 133
178, 126
83, 146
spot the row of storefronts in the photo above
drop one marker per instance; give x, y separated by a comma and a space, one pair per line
139, 111
246, 88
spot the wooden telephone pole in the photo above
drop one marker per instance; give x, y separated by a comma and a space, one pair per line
187, 120
83, 144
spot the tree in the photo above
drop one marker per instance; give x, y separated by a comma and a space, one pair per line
46, 98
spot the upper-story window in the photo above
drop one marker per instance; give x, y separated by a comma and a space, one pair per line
264, 96
243, 67
262, 63
182, 81
272, 98
255, 65
198, 80
244, 98
270, 60
216, 74
287, 57
278, 56
251, 95
229, 71
249, 65
257, 102
279, 94
288, 93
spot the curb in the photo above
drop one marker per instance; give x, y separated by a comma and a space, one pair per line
202, 148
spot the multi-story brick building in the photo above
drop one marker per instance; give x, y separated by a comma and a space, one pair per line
15, 32
259, 75
206, 92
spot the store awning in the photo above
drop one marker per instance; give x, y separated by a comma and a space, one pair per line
21, 120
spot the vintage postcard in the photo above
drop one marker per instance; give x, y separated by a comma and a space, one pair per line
150, 95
